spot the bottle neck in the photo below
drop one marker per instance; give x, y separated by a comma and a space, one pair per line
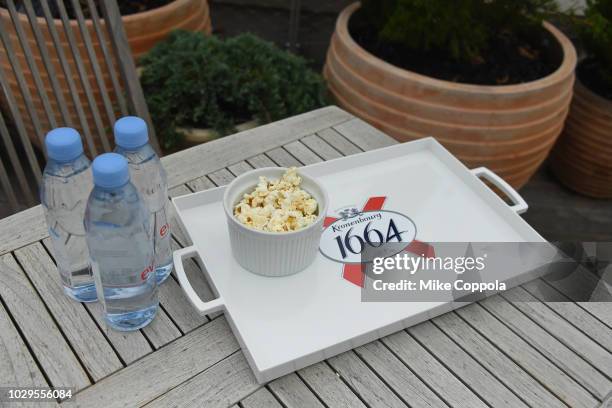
65, 168
112, 194
137, 155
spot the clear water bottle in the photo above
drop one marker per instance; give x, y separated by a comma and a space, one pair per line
149, 177
66, 184
120, 246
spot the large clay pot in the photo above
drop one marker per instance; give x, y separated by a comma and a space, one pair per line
581, 157
509, 129
143, 30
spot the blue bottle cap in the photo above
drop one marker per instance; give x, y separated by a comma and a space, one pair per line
110, 170
63, 144
131, 132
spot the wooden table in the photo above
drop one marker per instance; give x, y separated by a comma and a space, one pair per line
498, 352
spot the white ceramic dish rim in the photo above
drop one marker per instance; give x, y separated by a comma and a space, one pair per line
230, 202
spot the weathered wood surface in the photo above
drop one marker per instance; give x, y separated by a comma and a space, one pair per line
293, 393
527, 357
221, 385
16, 364
553, 349
160, 332
363, 381
398, 376
261, 399
496, 362
510, 350
451, 389
463, 366
129, 346
42, 334
88, 343
188, 164
159, 372
329, 386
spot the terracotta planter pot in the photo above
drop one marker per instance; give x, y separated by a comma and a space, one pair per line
509, 129
581, 157
144, 30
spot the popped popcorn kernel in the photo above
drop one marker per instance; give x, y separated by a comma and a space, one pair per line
277, 205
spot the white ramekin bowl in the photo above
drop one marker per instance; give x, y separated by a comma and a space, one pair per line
273, 253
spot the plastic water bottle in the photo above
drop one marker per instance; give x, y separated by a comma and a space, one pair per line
66, 184
120, 246
149, 177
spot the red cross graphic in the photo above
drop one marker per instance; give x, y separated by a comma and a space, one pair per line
355, 273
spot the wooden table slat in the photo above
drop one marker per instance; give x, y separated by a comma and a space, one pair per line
298, 150
363, 381
261, 160
161, 330
321, 147
550, 347
80, 329
43, 336
398, 376
463, 366
162, 370
601, 310
188, 164
571, 312
221, 385
293, 393
21, 229
450, 388
177, 306
262, 398
329, 387
282, 158
523, 354
500, 365
201, 184
339, 142
562, 330
364, 135
239, 168
17, 367
221, 177
129, 345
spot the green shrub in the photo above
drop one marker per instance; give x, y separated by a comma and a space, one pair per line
194, 80
596, 33
460, 28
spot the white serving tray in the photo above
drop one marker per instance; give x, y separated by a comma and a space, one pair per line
284, 324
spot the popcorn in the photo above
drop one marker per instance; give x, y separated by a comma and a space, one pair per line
277, 205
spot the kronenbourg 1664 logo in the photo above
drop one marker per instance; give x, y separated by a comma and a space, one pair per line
352, 230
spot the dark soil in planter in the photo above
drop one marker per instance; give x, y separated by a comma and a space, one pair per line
509, 60
125, 6
589, 73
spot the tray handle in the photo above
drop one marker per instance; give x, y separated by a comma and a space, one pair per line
520, 205
202, 307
